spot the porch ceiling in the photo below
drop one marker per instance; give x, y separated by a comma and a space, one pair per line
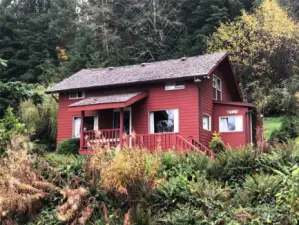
111, 101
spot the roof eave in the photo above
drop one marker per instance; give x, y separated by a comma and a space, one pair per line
126, 84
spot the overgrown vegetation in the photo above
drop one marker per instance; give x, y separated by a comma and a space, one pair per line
133, 186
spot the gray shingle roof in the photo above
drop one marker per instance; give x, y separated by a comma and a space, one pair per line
112, 98
155, 71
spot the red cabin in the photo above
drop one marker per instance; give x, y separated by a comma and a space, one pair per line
167, 104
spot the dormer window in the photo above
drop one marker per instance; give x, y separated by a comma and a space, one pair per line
76, 95
174, 85
217, 88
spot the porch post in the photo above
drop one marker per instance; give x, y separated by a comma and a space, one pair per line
121, 127
82, 130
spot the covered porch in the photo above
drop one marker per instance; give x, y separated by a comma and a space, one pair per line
112, 126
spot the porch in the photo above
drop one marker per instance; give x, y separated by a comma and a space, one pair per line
111, 138
107, 122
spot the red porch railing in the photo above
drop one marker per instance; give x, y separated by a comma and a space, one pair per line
100, 138
163, 141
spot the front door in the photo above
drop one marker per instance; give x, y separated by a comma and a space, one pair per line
127, 119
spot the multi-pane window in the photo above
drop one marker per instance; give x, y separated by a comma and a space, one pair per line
164, 121
206, 122
174, 85
231, 124
217, 88
76, 95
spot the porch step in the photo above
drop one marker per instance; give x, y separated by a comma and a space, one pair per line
182, 143
203, 148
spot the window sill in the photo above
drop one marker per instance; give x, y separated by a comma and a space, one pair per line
76, 98
231, 132
175, 89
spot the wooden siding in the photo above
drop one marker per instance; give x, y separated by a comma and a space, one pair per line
185, 100
191, 102
234, 139
206, 106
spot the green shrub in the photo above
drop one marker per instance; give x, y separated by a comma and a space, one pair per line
289, 130
216, 144
280, 155
168, 195
260, 188
233, 165
289, 194
9, 126
39, 149
188, 164
66, 165
69, 146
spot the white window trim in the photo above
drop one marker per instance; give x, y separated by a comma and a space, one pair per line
174, 86
151, 129
95, 125
71, 98
217, 78
236, 131
210, 122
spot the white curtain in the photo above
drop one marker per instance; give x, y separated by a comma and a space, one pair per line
223, 124
176, 120
152, 123
96, 123
239, 123
76, 127
231, 123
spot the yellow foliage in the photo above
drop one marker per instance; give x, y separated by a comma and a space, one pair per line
61, 54
126, 172
252, 38
21, 186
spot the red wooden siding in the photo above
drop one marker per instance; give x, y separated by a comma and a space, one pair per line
234, 139
65, 117
185, 100
206, 101
191, 102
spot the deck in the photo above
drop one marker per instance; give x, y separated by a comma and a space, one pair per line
110, 138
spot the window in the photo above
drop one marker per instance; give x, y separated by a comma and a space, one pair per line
76, 127
164, 121
127, 120
206, 122
217, 88
90, 123
76, 95
231, 124
175, 85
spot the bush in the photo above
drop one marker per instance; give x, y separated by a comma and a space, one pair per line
289, 130
189, 164
39, 149
233, 165
130, 173
69, 146
216, 144
260, 188
66, 165
9, 126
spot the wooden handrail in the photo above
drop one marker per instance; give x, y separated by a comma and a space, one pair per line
204, 148
100, 138
161, 141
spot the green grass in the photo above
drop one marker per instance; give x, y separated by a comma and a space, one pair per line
271, 124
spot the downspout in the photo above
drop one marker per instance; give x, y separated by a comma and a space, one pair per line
246, 127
